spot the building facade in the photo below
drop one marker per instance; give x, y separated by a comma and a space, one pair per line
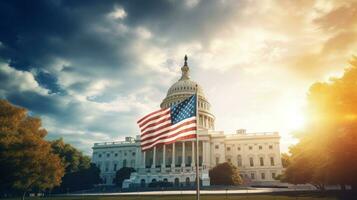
257, 155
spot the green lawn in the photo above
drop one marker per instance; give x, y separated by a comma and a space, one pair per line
205, 197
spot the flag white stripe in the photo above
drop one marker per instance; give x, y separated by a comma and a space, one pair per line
148, 119
165, 129
168, 134
153, 122
170, 139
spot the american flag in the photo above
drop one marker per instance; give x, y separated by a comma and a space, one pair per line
168, 125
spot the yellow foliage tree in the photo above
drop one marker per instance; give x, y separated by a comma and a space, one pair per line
26, 159
327, 150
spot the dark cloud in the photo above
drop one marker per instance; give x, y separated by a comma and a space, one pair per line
65, 49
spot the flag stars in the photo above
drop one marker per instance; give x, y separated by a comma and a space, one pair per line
184, 110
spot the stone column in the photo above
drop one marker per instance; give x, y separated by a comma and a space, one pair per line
163, 157
183, 155
193, 159
144, 159
173, 156
203, 154
154, 158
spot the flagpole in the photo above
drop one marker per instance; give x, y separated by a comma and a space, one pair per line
197, 150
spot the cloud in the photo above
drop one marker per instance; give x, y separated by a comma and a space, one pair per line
21, 81
91, 69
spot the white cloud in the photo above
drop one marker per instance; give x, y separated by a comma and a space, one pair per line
21, 81
118, 13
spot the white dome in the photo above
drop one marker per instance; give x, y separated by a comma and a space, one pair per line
185, 86
183, 89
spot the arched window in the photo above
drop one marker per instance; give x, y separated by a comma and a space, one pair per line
251, 161
165, 180
272, 163
187, 181
177, 182
142, 183
153, 181
239, 160
261, 159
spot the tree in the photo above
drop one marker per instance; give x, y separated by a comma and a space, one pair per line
285, 160
79, 180
327, 148
72, 159
225, 174
26, 159
122, 174
80, 174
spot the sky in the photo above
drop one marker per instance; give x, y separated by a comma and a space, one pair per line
90, 69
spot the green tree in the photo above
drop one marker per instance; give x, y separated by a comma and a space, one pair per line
72, 159
80, 180
122, 174
225, 174
80, 174
327, 148
26, 159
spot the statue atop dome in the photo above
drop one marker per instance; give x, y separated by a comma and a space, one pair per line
185, 70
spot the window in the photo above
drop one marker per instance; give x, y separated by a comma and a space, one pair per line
228, 148
250, 147
124, 163
124, 153
273, 175
270, 146
260, 147
238, 148
251, 162
108, 154
228, 160
263, 176
100, 155
106, 167
239, 159
116, 154
133, 154
187, 181
272, 163
261, 159
217, 160
252, 176
216, 147
115, 167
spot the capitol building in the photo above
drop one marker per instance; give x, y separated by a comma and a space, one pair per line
257, 155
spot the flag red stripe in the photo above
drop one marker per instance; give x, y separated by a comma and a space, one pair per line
164, 137
169, 130
192, 135
153, 118
148, 115
155, 124
165, 127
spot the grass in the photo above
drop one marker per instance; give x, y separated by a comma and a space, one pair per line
300, 196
